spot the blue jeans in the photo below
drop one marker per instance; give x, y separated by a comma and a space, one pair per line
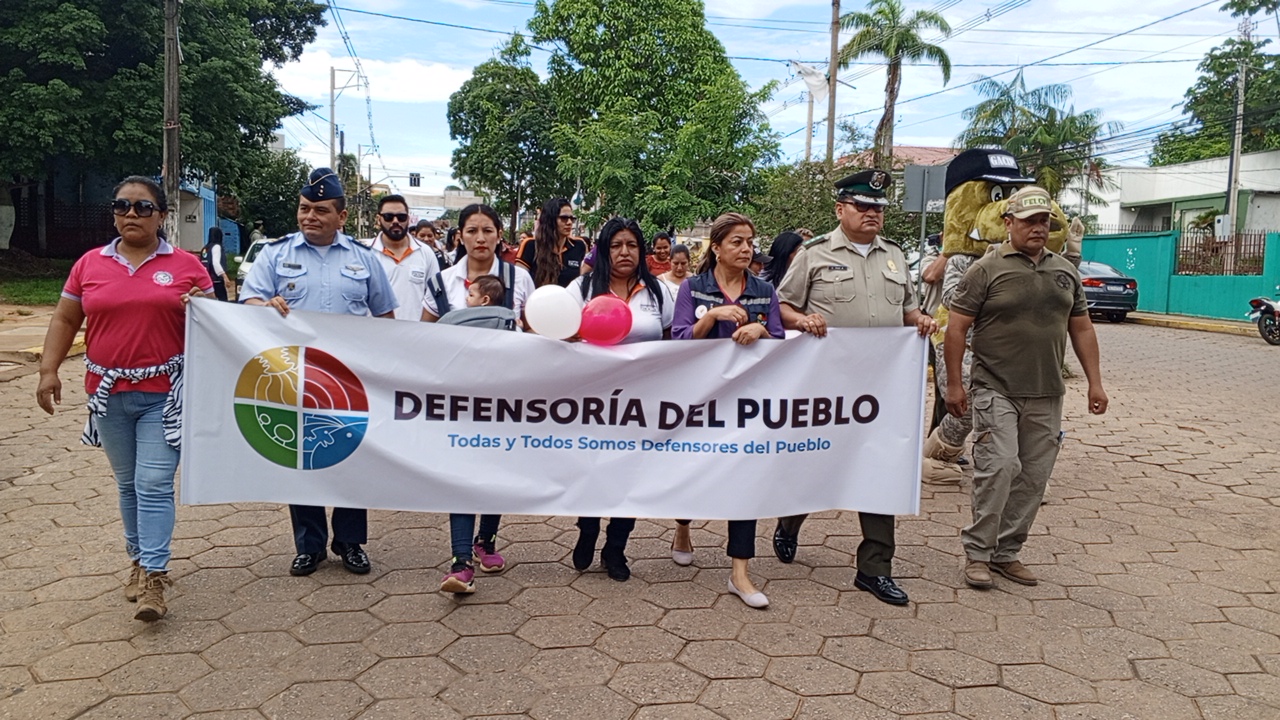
132, 434
462, 532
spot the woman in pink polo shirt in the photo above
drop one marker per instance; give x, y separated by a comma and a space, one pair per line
134, 293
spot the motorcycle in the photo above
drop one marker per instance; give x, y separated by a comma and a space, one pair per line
1264, 313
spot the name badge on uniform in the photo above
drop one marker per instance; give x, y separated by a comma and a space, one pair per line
355, 268
291, 266
700, 311
893, 266
837, 267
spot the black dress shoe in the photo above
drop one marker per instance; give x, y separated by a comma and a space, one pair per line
785, 544
585, 549
306, 563
353, 558
882, 586
615, 563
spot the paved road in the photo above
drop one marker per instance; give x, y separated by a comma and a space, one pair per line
1158, 550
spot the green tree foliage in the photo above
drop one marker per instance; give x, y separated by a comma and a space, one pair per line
502, 119
1210, 105
269, 191
1053, 141
885, 30
85, 80
652, 119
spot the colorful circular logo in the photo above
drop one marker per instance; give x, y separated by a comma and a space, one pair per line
300, 407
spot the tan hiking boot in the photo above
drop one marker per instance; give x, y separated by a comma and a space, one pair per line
151, 606
940, 467
133, 588
978, 575
1017, 572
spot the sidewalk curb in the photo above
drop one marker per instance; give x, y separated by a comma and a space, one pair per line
1205, 325
36, 354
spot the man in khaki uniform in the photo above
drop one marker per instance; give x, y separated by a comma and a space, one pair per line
853, 278
1022, 302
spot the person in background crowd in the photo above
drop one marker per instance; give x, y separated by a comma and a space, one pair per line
214, 259
660, 260
553, 256
407, 262
430, 237
805, 233
480, 229
679, 271
621, 271
758, 262
257, 233
1022, 302
133, 292
321, 269
783, 250
725, 301
933, 265
854, 278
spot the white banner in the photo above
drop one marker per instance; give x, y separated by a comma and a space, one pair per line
360, 412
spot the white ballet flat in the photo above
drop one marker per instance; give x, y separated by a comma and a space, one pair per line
682, 558
756, 599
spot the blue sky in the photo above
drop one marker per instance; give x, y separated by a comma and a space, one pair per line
414, 67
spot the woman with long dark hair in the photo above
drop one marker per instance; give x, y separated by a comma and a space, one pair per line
214, 259
134, 294
726, 301
620, 270
553, 256
784, 248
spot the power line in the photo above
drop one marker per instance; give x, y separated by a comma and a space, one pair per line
368, 96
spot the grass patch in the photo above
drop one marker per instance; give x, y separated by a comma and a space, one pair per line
31, 291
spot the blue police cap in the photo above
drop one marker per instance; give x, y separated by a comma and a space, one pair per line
323, 184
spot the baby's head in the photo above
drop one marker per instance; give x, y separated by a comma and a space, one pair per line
485, 290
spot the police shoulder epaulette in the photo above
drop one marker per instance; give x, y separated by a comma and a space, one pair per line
280, 239
815, 240
894, 243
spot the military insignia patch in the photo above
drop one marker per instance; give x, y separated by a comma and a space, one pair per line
1063, 280
878, 179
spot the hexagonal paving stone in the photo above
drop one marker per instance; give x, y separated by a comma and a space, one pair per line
559, 631
342, 598
53, 700
317, 701
1214, 657
1047, 684
701, 624
639, 644
780, 639
485, 619
904, 692
410, 639
684, 596
264, 616
865, 654
954, 669
622, 612
418, 677
413, 608
848, 707
137, 706
564, 667
1262, 687
77, 588
340, 661
251, 650
233, 689
85, 661
489, 653
662, 682
155, 674
570, 702
492, 694
537, 601
755, 699
994, 703
1087, 662
812, 676
420, 708
1234, 708
723, 659
1141, 699
337, 627
1182, 678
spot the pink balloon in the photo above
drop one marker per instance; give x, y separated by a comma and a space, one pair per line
606, 320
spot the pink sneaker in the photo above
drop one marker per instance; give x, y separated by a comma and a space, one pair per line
490, 561
461, 579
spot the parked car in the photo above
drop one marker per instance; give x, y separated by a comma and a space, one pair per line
246, 260
1109, 292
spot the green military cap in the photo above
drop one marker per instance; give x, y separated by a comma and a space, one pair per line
866, 187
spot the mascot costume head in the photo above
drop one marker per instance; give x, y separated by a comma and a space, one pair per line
977, 184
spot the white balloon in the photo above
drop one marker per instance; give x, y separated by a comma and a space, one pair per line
552, 312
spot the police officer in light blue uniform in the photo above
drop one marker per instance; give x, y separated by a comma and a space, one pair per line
320, 269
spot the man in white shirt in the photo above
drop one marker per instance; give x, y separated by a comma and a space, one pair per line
407, 262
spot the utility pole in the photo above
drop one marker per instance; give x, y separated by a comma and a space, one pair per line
172, 159
831, 83
808, 138
359, 215
333, 123
1233, 171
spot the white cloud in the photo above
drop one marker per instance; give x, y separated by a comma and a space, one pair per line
756, 9
405, 80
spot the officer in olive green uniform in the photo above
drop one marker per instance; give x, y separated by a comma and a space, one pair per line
853, 278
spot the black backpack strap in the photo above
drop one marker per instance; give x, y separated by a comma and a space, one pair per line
507, 272
435, 286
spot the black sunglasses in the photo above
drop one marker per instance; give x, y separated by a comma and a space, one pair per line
570, 218
402, 217
143, 208
864, 207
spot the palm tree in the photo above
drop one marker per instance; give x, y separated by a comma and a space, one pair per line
1009, 110
884, 30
